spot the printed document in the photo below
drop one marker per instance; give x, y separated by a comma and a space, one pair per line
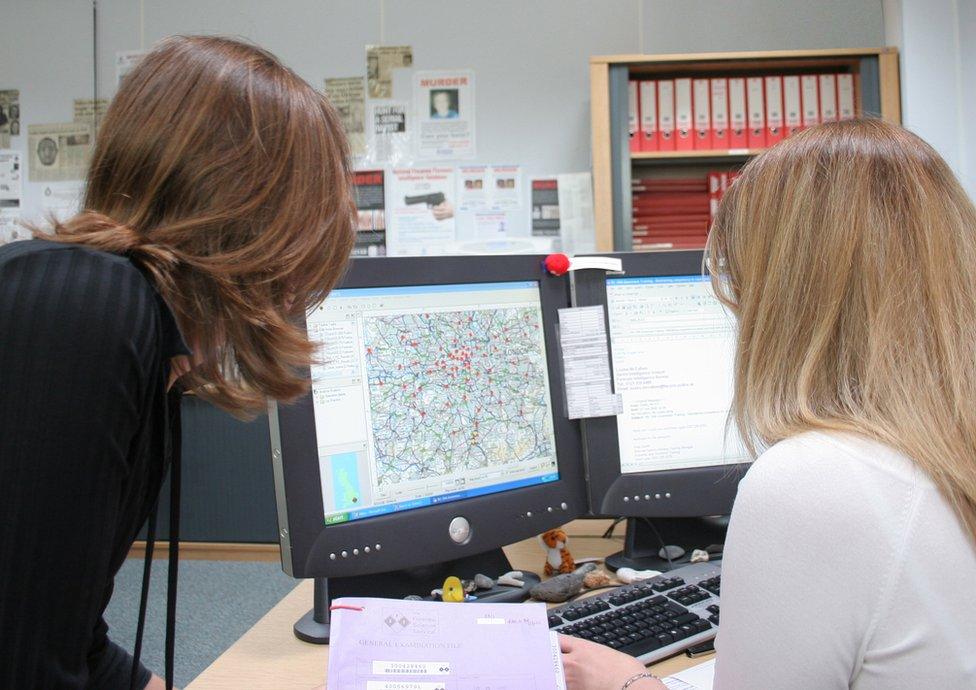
390, 644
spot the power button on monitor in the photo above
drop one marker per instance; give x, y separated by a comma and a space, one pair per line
460, 530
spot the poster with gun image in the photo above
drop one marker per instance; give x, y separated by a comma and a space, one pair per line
420, 215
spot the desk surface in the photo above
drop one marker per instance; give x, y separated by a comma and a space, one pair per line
270, 657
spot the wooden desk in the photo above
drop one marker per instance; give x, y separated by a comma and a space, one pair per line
270, 657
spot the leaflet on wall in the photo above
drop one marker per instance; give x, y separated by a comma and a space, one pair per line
445, 114
489, 201
90, 110
388, 137
125, 61
348, 97
380, 63
506, 186
59, 151
369, 191
420, 218
61, 200
577, 227
545, 207
9, 116
11, 178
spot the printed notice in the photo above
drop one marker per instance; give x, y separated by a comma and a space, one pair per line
59, 151
545, 207
380, 63
445, 114
348, 97
420, 217
368, 189
586, 363
700, 677
388, 136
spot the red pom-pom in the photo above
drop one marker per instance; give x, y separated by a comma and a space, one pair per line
557, 264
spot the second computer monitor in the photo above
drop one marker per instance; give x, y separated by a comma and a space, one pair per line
672, 452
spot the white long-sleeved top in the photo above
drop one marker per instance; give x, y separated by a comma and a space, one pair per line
844, 567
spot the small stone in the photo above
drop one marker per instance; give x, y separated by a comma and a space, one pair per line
483, 581
437, 593
596, 578
468, 586
560, 588
699, 556
413, 597
629, 575
510, 581
671, 552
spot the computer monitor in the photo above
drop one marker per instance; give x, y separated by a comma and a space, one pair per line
672, 453
435, 431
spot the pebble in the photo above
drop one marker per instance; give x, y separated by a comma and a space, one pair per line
560, 588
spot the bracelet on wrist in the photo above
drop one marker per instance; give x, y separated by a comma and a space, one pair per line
640, 676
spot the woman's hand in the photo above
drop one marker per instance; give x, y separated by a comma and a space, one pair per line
591, 666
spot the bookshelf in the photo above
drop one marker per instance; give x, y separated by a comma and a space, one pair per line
877, 94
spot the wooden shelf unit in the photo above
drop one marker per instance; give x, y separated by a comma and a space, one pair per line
877, 94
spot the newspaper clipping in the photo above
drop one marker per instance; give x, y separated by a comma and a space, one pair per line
348, 97
9, 116
380, 63
125, 61
444, 111
11, 185
59, 151
91, 111
62, 199
421, 213
369, 190
489, 201
389, 140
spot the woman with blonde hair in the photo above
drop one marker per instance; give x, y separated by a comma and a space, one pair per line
218, 208
847, 254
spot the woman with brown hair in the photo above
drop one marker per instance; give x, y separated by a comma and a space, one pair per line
217, 209
847, 254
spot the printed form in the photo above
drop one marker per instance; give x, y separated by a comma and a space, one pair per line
390, 644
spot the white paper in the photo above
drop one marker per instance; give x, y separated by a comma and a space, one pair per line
489, 202
388, 139
444, 111
557, 661
577, 228
586, 363
417, 225
59, 151
700, 677
125, 61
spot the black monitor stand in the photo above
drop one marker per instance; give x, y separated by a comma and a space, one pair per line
645, 536
314, 626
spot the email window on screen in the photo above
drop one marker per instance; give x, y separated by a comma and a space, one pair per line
673, 346
430, 394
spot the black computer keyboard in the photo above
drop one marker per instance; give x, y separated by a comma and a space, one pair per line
651, 619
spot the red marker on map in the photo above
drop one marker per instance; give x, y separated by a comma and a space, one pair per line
560, 264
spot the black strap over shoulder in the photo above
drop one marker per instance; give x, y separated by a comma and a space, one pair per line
173, 440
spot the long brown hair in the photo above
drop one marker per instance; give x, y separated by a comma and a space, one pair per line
226, 177
848, 254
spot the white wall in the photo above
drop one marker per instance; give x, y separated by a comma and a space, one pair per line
530, 58
937, 41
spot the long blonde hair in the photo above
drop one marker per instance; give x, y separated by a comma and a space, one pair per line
848, 254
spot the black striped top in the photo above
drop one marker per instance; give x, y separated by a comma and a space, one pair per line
85, 343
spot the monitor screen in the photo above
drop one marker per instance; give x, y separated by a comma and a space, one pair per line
428, 394
672, 343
